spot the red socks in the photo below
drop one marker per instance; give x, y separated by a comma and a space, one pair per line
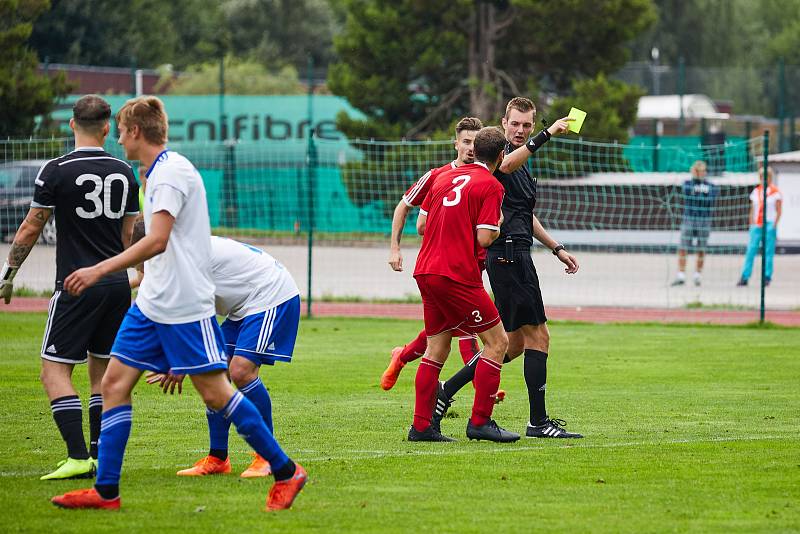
426, 384
468, 347
486, 381
415, 349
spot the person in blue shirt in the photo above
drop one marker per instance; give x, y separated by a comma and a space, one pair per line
699, 196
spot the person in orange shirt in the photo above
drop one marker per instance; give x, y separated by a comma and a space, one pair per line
758, 212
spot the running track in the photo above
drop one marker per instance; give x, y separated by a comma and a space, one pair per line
554, 313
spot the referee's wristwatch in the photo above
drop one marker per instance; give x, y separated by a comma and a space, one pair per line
558, 248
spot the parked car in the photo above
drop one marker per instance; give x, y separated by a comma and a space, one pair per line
16, 192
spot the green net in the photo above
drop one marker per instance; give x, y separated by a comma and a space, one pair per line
619, 208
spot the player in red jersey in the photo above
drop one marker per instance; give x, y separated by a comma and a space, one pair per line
460, 214
466, 129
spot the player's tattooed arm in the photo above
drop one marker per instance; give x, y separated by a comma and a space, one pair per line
27, 234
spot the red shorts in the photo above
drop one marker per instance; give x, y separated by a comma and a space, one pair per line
450, 305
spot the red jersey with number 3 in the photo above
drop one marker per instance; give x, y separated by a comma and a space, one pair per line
417, 192
460, 202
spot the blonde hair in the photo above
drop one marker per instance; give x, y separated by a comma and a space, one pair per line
698, 165
521, 104
146, 112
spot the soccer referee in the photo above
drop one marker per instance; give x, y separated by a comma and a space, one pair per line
511, 271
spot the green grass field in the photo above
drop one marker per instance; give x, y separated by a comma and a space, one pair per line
688, 429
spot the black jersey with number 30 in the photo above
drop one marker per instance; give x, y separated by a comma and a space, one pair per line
90, 192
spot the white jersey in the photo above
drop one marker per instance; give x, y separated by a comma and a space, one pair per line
178, 287
248, 279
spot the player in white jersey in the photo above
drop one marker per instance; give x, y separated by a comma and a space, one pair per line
261, 303
172, 325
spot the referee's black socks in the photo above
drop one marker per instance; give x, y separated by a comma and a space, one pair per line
536, 380
463, 377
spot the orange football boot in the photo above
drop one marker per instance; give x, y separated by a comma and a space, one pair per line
282, 493
390, 375
259, 468
500, 396
210, 465
85, 498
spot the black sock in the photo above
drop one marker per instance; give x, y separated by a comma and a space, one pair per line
107, 491
68, 414
95, 416
221, 454
536, 380
463, 377
286, 472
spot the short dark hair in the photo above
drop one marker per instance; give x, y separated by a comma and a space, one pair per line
489, 143
91, 113
471, 124
520, 103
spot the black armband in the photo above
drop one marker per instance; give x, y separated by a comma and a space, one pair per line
558, 248
535, 142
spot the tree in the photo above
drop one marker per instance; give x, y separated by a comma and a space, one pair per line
186, 32
241, 78
24, 94
145, 32
282, 32
412, 66
611, 107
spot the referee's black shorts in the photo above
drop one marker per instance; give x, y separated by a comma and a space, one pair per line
516, 289
84, 324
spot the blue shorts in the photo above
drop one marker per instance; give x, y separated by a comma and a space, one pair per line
266, 337
186, 348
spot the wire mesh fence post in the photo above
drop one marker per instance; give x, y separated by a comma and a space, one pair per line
311, 164
764, 181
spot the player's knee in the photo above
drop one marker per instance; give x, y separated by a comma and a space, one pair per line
52, 381
215, 400
538, 338
543, 339
502, 343
242, 373
113, 390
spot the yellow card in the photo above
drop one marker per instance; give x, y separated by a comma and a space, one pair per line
579, 116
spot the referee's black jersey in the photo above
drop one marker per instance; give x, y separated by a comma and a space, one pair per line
518, 204
90, 192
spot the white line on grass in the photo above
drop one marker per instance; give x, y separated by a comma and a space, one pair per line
358, 454
368, 454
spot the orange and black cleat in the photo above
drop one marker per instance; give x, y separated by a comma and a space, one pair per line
258, 468
283, 492
210, 465
85, 499
391, 374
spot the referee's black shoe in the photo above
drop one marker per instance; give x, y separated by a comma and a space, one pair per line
429, 434
551, 428
443, 403
490, 432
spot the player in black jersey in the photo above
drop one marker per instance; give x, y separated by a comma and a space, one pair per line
94, 198
512, 274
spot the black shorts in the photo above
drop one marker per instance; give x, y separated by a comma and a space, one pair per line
84, 324
516, 290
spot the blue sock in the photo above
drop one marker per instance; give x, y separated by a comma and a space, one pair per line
251, 427
218, 428
115, 428
257, 393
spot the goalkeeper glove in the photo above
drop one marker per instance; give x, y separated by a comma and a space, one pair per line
7, 281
